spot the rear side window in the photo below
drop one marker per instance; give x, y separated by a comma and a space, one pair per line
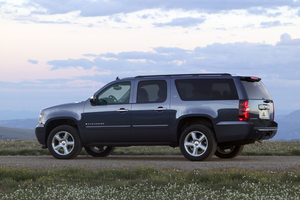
256, 90
152, 91
206, 89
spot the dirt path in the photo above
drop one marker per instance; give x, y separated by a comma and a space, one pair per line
271, 163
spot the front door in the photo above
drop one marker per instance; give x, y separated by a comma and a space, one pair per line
109, 118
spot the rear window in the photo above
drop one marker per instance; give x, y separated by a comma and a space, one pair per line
206, 89
256, 90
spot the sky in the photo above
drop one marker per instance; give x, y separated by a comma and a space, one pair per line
54, 52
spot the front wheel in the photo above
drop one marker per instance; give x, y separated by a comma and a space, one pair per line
229, 152
197, 143
99, 151
64, 142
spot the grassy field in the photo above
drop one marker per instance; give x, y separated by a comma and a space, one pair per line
145, 182
267, 148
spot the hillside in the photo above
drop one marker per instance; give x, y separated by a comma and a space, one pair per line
16, 133
289, 127
20, 123
22, 114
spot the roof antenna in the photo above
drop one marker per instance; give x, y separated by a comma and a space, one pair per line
117, 78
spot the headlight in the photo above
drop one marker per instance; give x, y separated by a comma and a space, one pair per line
41, 118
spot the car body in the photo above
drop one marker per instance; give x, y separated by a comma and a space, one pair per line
203, 114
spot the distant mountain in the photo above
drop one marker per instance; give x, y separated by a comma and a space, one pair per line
16, 133
23, 114
20, 123
288, 127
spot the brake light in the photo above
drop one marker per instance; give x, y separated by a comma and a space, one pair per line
244, 110
250, 79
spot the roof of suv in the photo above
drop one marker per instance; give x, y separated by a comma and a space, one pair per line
246, 78
212, 74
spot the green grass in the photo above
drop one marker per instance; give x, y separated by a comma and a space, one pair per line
266, 148
145, 182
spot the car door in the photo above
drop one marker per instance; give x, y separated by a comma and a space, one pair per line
108, 118
150, 112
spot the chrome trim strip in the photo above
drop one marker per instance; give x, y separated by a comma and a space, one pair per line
265, 129
232, 123
158, 125
116, 126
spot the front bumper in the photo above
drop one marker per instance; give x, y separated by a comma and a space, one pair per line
40, 133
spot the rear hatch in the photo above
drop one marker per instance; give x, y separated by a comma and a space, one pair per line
261, 105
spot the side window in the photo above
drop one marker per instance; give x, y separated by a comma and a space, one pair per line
152, 91
206, 89
115, 94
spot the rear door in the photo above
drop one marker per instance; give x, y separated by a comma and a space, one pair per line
151, 111
261, 105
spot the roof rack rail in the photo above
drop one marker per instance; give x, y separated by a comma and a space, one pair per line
211, 74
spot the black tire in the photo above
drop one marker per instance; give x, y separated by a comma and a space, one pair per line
99, 151
229, 151
197, 143
64, 142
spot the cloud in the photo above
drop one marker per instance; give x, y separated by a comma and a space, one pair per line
89, 8
257, 11
286, 40
298, 13
262, 11
183, 22
90, 55
82, 62
239, 58
270, 24
33, 61
117, 19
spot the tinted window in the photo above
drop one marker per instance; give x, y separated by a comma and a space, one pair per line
116, 93
152, 91
256, 90
206, 89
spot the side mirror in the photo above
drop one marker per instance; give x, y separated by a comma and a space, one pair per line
93, 100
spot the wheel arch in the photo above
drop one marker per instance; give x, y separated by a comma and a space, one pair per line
58, 122
193, 120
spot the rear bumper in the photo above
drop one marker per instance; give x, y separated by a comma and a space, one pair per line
40, 133
267, 132
234, 131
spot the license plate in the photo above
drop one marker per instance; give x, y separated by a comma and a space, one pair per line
264, 114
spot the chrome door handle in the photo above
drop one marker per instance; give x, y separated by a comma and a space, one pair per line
160, 108
121, 110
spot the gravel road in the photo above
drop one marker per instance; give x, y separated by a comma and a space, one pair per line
257, 163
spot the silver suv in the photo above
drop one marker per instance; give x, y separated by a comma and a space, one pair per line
203, 114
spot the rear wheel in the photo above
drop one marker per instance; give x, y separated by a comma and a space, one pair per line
99, 151
229, 151
64, 142
197, 143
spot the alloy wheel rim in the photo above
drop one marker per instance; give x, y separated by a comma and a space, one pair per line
63, 143
195, 143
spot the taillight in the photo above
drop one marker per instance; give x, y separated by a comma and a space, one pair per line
244, 110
